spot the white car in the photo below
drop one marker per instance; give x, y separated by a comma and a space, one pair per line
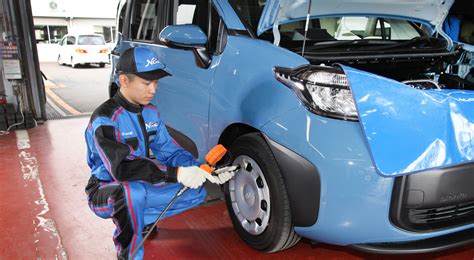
83, 49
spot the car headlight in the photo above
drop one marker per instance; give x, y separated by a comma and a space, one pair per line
324, 90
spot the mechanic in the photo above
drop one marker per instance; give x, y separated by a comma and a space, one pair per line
126, 185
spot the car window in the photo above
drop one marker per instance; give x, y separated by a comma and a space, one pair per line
349, 28
197, 12
121, 17
338, 28
354, 28
143, 20
191, 12
249, 11
90, 40
71, 40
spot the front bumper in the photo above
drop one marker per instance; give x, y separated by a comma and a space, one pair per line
355, 201
434, 199
429, 245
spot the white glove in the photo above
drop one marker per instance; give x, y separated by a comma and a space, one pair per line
193, 176
224, 174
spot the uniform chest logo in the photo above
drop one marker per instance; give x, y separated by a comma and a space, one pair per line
129, 133
151, 125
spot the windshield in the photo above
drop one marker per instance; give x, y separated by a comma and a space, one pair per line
350, 28
90, 40
334, 28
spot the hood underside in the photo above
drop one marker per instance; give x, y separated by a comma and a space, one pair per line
284, 11
411, 130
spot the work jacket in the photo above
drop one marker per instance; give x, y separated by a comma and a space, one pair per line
119, 138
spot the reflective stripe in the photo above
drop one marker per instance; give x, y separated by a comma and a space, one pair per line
127, 188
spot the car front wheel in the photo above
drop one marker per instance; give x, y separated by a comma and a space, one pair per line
257, 199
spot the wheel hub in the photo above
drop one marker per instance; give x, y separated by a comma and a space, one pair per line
250, 196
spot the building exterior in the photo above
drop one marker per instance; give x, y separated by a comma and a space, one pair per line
55, 18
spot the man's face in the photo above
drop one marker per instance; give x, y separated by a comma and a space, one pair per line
137, 90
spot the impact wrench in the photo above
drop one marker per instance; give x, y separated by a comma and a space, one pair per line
212, 157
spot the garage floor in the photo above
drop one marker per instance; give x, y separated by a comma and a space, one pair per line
45, 215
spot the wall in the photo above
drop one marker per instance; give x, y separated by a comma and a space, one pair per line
81, 25
74, 8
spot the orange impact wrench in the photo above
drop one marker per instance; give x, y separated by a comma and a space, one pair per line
212, 157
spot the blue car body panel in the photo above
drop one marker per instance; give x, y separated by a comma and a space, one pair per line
355, 199
187, 113
227, 13
408, 129
240, 88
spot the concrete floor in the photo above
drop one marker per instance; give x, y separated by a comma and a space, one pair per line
76, 90
44, 213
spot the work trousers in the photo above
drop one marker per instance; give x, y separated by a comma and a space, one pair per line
133, 205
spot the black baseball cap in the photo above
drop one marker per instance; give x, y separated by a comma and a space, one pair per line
142, 62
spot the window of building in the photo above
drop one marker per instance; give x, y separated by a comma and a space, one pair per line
41, 34
49, 33
107, 31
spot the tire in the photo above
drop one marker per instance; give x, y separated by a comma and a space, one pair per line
101, 65
264, 225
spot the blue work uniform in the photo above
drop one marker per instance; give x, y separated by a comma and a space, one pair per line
126, 185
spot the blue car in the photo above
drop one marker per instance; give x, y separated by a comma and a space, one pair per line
349, 119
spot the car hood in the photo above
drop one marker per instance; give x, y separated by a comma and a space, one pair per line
409, 130
284, 11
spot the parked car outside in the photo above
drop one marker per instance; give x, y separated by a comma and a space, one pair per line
348, 119
83, 49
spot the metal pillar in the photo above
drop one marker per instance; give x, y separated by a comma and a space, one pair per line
22, 32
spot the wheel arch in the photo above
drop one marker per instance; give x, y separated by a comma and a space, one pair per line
300, 176
234, 131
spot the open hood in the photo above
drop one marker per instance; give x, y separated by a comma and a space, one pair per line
410, 130
284, 11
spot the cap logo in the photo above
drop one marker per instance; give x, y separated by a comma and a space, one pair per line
152, 62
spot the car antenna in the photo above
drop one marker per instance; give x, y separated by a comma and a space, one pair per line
306, 27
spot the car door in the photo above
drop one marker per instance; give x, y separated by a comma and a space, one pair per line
183, 98
62, 45
69, 49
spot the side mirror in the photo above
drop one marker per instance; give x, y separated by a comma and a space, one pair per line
187, 37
